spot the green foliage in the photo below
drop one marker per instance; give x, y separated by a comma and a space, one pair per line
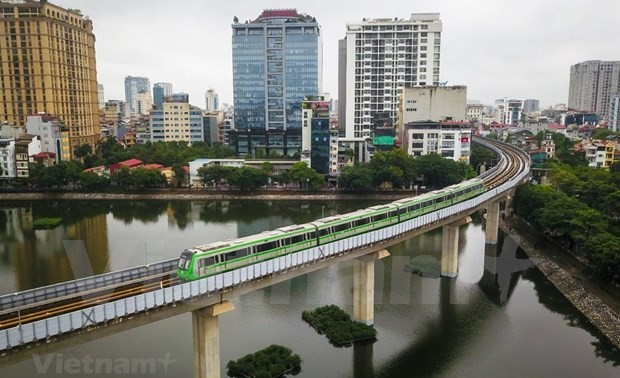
61, 174
356, 177
338, 325
138, 178
481, 155
394, 166
46, 223
440, 172
165, 153
214, 174
588, 213
273, 361
602, 134
247, 178
82, 151
91, 181
604, 251
307, 177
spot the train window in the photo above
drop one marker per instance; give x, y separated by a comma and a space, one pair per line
393, 214
379, 217
208, 261
313, 235
297, 239
266, 246
324, 232
239, 253
402, 211
341, 227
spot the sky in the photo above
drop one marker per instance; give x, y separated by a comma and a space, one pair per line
497, 48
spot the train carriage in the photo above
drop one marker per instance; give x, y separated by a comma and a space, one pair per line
209, 259
220, 257
343, 226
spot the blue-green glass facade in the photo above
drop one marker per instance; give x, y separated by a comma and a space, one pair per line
277, 61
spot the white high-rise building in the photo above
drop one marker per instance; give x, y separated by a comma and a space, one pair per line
100, 96
212, 102
592, 83
382, 57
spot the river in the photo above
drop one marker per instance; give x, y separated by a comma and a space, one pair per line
475, 325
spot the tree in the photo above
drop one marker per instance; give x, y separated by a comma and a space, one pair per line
147, 178
604, 252
247, 178
180, 175
356, 177
82, 151
122, 177
214, 174
394, 166
480, 156
305, 175
91, 181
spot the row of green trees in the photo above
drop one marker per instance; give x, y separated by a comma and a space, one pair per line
247, 178
273, 361
71, 174
581, 205
396, 169
109, 151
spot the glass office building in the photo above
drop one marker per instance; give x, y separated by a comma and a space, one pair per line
277, 61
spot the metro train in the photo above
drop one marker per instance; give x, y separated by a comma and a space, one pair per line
213, 258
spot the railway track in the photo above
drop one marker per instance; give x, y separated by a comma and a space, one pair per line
512, 163
38, 311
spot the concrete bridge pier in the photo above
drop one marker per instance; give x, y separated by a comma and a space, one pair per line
450, 247
364, 286
492, 226
206, 330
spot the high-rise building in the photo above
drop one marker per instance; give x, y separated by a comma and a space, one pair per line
277, 61
318, 139
100, 95
144, 103
614, 112
133, 86
212, 101
592, 83
48, 65
531, 106
382, 57
177, 120
161, 91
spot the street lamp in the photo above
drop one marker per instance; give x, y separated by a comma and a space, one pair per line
323, 211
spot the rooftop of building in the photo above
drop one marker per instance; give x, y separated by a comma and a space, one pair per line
276, 16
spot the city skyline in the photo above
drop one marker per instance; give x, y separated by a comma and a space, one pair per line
528, 52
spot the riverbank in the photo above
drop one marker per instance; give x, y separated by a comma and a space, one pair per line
206, 195
598, 306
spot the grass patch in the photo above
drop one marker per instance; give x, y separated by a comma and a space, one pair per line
425, 266
338, 326
273, 361
46, 223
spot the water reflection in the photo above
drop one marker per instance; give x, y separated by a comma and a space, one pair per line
549, 296
38, 257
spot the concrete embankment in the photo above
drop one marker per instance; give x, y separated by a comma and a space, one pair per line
205, 195
590, 304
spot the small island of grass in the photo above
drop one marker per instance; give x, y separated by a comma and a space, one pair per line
46, 223
338, 326
273, 361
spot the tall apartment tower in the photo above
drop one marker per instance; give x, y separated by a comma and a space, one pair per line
212, 101
100, 96
383, 56
48, 65
277, 61
592, 84
160, 92
133, 86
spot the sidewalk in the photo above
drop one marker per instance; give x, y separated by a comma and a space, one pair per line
567, 275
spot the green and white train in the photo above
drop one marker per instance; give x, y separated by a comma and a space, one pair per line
213, 258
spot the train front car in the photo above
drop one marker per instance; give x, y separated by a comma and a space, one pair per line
184, 265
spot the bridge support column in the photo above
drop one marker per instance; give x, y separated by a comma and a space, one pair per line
450, 248
364, 286
492, 225
206, 329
